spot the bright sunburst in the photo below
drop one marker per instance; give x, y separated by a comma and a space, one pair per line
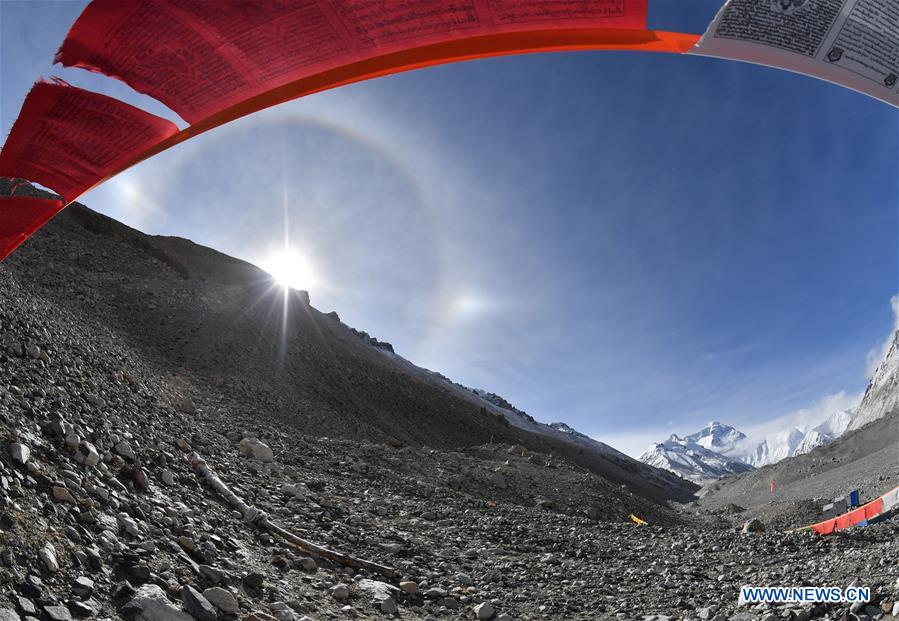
290, 269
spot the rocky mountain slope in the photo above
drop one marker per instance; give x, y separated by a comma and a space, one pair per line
882, 394
221, 330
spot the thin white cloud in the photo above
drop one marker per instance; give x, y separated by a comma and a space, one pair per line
805, 417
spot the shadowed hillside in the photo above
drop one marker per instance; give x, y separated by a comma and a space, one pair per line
224, 332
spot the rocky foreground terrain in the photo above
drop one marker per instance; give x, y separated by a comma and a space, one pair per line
103, 516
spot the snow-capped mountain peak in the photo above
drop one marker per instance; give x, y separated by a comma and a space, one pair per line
690, 459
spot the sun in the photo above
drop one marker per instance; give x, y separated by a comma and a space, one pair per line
290, 269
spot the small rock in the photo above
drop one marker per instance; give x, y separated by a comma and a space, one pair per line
141, 480
124, 449
128, 524
123, 590
57, 613
197, 605
84, 609
388, 606
33, 587
308, 564
383, 594
211, 574
222, 599
47, 555
83, 587
340, 592
753, 526
409, 587
435, 593
20, 453
26, 606
139, 573
484, 611
89, 454
150, 604
254, 580
63, 495
73, 441
8, 615
251, 448
450, 602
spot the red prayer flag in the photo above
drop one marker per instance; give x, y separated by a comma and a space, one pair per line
200, 57
69, 139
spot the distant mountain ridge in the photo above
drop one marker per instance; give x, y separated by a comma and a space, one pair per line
720, 450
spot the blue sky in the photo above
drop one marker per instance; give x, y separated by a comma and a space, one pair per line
632, 243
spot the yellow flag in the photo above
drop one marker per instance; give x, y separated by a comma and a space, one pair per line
637, 520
